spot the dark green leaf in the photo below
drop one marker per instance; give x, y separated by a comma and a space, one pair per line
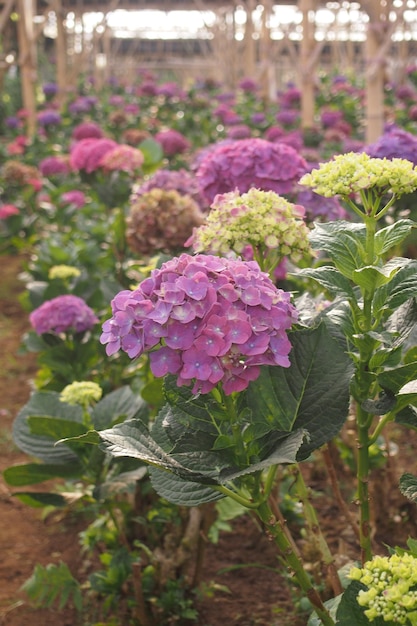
408, 486
407, 417
401, 288
180, 491
330, 279
343, 242
121, 402
392, 235
349, 612
39, 500
32, 473
55, 428
42, 447
395, 379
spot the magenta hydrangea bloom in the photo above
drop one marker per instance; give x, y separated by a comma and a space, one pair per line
204, 319
75, 197
52, 165
86, 130
87, 154
7, 210
62, 314
247, 163
172, 142
180, 180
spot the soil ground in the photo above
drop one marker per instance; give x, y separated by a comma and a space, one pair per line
244, 562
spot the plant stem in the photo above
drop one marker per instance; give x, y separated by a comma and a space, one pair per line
363, 485
293, 562
313, 526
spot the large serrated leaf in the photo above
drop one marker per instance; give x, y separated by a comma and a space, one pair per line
33, 473
41, 447
408, 486
395, 379
344, 242
392, 235
119, 403
312, 394
349, 612
402, 287
180, 491
330, 279
371, 277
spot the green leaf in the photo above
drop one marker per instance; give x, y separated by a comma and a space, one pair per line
311, 395
153, 154
43, 447
121, 402
408, 486
401, 288
330, 279
344, 243
407, 417
120, 484
40, 500
370, 277
179, 491
395, 379
54, 428
32, 473
392, 235
349, 612
53, 584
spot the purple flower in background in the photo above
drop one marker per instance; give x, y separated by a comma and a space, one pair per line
171, 180
116, 100
250, 163
172, 142
13, 122
50, 89
205, 320
248, 85
62, 314
83, 104
331, 118
49, 166
290, 98
288, 117
395, 143
274, 133
226, 115
75, 197
258, 118
318, 208
240, 131
87, 154
49, 117
86, 130
148, 88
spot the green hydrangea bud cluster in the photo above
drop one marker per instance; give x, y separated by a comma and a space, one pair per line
354, 172
63, 272
392, 588
260, 219
83, 393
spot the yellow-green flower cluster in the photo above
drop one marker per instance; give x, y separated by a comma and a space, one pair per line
354, 172
392, 588
83, 393
260, 219
63, 272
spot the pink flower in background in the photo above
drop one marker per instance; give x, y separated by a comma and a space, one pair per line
172, 142
250, 163
123, 158
87, 153
240, 131
54, 165
86, 130
7, 210
205, 320
75, 197
62, 314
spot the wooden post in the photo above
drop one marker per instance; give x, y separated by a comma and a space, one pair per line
307, 8
250, 43
61, 52
27, 60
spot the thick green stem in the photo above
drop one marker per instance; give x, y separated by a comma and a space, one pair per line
293, 562
363, 486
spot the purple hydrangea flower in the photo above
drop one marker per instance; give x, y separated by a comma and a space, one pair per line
250, 163
62, 314
49, 166
86, 130
50, 89
75, 197
49, 117
13, 122
240, 131
172, 142
394, 143
205, 320
318, 208
171, 180
248, 85
288, 117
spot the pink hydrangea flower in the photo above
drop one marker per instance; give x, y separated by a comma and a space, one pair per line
87, 154
49, 166
7, 210
204, 319
62, 314
86, 130
123, 158
172, 142
75, 197
250, 163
